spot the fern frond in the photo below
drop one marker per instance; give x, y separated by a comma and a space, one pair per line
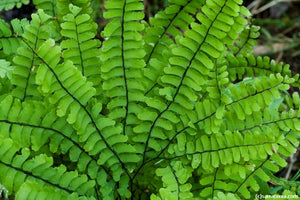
33, 125
38, 192
191, 62
231, 152
51, 9
25, 165
242, 177
48, 6
280, 146
64, 7
11, 40
174, 179
82, 91
175, 109
210, 119
26, 62
198, 52
246, 41
79, 45
250, 182
217, 82
164, 28
260, 92
39, 168
211, 152
242, 66
122, 57
10, 4
72, 94
225, 196
243, 174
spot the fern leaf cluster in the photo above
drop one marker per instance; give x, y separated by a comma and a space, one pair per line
8, 5
174, 108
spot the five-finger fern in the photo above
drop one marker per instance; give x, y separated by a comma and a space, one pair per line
177, 108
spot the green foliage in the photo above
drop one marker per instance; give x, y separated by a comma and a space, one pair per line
10, 39
177, 108
10, 4
49, 6
5, 69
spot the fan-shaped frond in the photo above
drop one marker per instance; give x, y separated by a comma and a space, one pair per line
72, 94
177, 108
191, 63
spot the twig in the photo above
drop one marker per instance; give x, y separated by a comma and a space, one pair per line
279, 57
271, 4
254, 6
293, 159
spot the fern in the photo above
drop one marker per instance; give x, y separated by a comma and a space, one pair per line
10, 4
10, 40
5, 69
47, 5
79, 46
177, 108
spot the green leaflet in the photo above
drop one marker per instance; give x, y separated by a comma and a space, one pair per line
177, 108
64, 7
5, 69
229, 196
49, 6
10, 39
10, 4
238, 67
